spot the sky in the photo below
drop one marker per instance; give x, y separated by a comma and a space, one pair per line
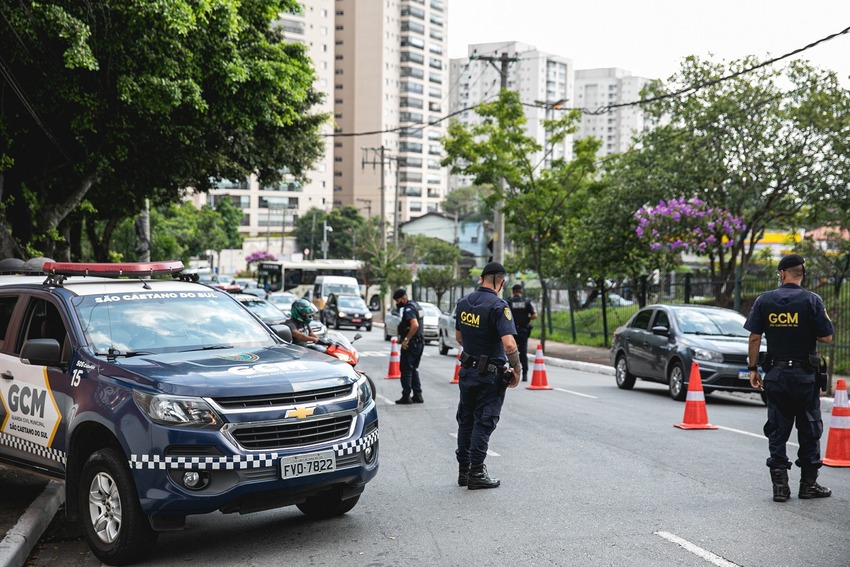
652, 37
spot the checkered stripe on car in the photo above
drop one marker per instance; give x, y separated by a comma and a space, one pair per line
32, 448
238, 462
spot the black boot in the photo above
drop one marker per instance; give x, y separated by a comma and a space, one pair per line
478, 478
809, 488
781, 490
462, 474
404, 400
417, 398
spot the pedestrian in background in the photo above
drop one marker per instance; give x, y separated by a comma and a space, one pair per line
412, 345
793, 320
485, 328
523, 313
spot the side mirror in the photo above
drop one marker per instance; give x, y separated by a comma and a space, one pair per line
283, 331
661, 331
357, 336
42, 352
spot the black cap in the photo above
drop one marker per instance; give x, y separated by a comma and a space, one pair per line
790, 261
493, 268
399, 293
517, 287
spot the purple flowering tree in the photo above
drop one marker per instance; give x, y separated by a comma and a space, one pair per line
259, 256
680, 225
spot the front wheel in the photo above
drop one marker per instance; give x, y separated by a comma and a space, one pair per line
625, 379
375, 303
327, 505
676, 381
116, 529
444, 349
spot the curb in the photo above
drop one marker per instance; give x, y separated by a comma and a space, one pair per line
576, 365
20, 540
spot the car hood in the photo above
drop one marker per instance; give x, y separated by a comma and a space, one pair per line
728, 345
225, 372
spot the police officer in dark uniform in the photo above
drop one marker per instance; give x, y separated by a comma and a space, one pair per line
485, 329
412, 345
793, 320
523, 313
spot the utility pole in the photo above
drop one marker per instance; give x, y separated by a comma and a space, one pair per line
499, 217
381, 151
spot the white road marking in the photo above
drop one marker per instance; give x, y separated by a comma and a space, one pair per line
756, 435
576, 393
696, 550
489, 452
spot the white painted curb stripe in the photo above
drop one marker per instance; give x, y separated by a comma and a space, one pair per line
696, 550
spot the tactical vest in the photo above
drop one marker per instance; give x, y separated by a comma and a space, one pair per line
520, 310
788, 326
404, 324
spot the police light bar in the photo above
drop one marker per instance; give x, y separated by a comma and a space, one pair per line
136, 269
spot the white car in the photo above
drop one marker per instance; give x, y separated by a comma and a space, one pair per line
283, 300
429, 322
446, 327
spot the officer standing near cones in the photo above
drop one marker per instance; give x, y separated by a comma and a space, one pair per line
489, 363
412, 345
793, 320
523, 313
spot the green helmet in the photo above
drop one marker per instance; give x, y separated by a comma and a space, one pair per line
302, 310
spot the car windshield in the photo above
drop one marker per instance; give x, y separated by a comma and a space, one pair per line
430, 310
282, 301
263, 309
352, 303
711, 322
340, 288
134, 323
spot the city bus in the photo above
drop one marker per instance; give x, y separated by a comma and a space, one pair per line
299, 277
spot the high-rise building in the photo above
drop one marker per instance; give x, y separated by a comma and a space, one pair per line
543, 81
274, 208
390, 94
597, 89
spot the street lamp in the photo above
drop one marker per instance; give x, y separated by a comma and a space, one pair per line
326, 229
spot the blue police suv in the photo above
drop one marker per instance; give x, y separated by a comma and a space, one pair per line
154, 398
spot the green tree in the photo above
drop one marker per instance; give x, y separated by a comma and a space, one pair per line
438, 278
345, 224
469, 203
381, 265
761, 145
537, 200
122, 100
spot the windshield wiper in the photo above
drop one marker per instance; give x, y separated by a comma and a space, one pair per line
209, 347
112, 353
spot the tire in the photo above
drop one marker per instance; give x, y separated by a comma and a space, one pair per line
115, 527
625, 379
368, 328
327, 505
676, 382
375, 303
386, 336
443, 348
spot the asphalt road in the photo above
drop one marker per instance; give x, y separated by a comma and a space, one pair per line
591, 475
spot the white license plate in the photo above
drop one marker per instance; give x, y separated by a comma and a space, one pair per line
307, 464
744, 375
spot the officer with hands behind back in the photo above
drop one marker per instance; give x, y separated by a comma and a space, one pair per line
412, 345
489, 364
793, 320
523, 314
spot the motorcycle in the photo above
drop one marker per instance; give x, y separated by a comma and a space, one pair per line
335, 344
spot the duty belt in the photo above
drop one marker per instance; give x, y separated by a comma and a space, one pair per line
468, 361
789, 363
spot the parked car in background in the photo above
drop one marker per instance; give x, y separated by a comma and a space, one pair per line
346, 309
282, 300
220, 281
446, 329
660, 342
250, 286
612, 300
429, 324
270, 314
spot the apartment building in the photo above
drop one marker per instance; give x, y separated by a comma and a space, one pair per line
597, 89
543, 80
390, 94
274, 208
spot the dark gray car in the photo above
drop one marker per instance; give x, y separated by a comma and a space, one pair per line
660, 342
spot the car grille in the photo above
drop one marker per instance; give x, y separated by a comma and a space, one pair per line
290, 399
735, 359
294, 434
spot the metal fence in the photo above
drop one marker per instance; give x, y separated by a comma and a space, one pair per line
588, 313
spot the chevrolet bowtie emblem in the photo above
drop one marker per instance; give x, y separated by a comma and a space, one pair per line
300, 412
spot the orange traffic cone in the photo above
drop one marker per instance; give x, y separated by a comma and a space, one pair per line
395, 362
538, 377
838, 441
696, 416
456, 380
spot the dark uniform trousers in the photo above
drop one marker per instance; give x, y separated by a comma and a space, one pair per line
792, 395
477, 414
408, 362
522, 334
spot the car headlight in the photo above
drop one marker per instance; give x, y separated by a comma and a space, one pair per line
177, 410
705, 354
342, 314
367, 316
364, 393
